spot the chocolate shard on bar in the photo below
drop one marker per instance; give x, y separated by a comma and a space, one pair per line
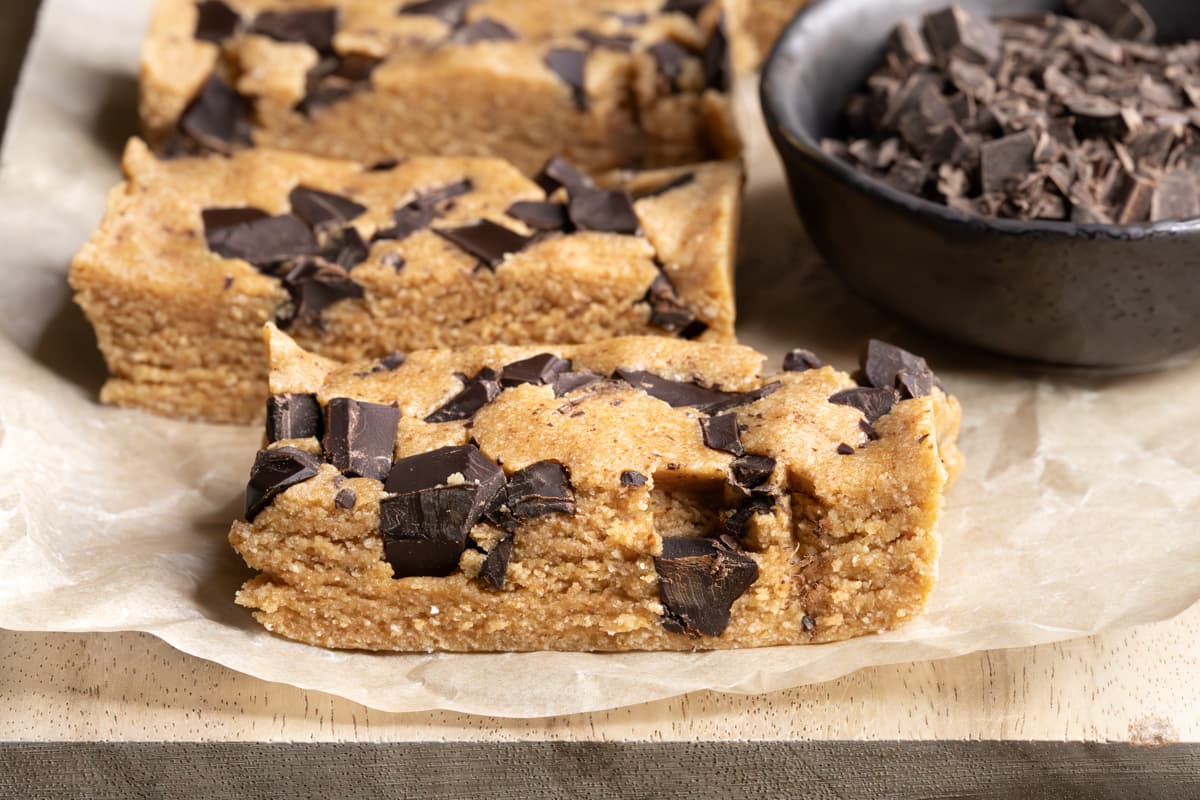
390, 363
568, 65
275, 470
801, 360
215, 21
540, 489
721, 433
313, 285
314, 27
739, 399
346, 499
538, 370
451, 12
540, 215
844, 449
699, 580
345, 248
884, 363
487, 241
670, 58
567, 382
293, 416
335, 78
873, 403
483, 30
736, 523
677, 182
630, 478
673, 393
751, 471
494, 571
558, 172
360, 437
666, 311
218, 118
422, 210
477, 393
253, 235
436, 498
621, 42
323, 209
605, 210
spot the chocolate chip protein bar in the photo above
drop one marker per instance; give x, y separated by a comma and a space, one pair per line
641, 493
194, 255
606, 83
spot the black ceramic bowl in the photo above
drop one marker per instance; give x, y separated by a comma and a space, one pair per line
1090, 295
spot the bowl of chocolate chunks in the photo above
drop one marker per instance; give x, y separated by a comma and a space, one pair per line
1020, 176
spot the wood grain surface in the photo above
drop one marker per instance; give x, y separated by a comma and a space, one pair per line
843, 770
1138, 686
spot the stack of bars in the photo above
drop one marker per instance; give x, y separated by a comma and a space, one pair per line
492, 252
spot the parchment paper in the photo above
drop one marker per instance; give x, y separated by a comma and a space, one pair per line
1078, 511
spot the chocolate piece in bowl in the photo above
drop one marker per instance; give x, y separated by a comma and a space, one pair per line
635, 512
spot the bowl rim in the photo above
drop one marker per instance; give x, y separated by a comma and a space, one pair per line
773, 99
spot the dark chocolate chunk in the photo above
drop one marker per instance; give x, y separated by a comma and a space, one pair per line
751, 471
673, 393
800, 360
360, 437
483, 30
275, 470
1097, 117
954, 33
255, 236
884, 362
215, 21
422, 210
1006, 162
293, 416
844, 449
345, 499
699, 580
736, 523
567, 382
620, 42
721, 433
386, 165
476, 393
606, 210
345, 248
568, 65
539, 215
1121, 19
390, 362
670, 57
678, 182
494, 570
874, 403
869, 430
538, 370
323, 209
335, 78
739, 399
716, 58
1177, 196
808, 623
691, 8
666, 311
313, 285
631, 479
437, 497
451, 12
485, 240
540, 489
559, 172
312, 26
218, 119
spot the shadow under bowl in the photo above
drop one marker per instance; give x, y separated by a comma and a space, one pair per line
1112, 296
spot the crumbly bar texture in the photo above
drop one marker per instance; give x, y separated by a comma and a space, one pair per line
194, 255
636, 494
605, 83
756, 24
